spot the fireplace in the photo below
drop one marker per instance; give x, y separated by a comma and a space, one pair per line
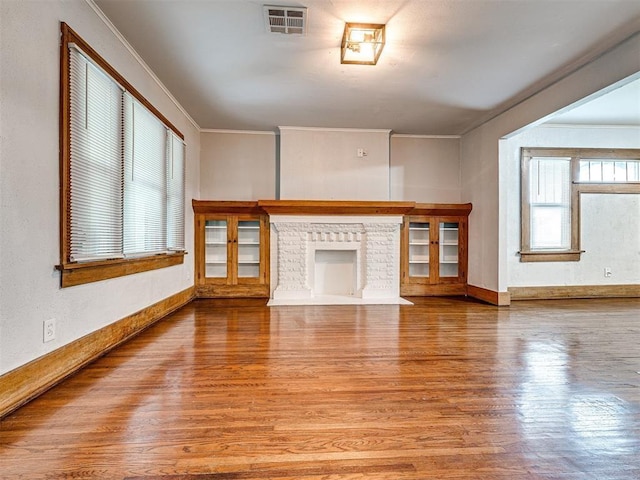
365, 248
335, 273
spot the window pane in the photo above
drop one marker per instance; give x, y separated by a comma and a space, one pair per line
550, 203
595, 171
145, 181
175, 194
608, 172
550, 180
550, 228
95, 162
584, 171
633, 171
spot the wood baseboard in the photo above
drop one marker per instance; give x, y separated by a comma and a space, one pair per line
25, 383
501, 299
575, 291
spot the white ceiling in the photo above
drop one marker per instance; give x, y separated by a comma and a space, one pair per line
447, 65
620, 106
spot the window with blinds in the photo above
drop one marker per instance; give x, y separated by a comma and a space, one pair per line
553, 179
550, 203
96, 162
123, 170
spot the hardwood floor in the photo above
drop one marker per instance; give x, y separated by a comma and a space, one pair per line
445, 389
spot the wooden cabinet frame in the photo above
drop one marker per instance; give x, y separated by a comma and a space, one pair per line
435, 283
232, 284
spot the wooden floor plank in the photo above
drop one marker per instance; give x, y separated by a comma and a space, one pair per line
445, 389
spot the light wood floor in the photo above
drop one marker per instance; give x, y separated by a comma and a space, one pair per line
445, 389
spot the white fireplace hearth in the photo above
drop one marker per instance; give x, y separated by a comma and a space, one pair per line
307, 267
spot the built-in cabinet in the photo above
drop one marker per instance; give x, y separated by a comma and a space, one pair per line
433, 252
232, 245
232, 249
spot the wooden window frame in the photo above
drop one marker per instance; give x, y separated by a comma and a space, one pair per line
78, 273
577, 188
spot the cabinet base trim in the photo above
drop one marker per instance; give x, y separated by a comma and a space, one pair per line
422, 290
232, 291
501, 299
575, 291
25, 383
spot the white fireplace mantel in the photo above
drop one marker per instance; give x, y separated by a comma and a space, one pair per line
375, 239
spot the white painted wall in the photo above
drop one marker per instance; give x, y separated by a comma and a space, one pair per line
29, 214
484, 173
425, 168
610, 224
237, 165
322, 164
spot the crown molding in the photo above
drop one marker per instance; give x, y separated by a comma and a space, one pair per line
245, 132
406, 135
328, 129
139, 59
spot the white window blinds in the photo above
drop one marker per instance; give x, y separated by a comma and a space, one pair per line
145, 188
95, 166
126, 169
175, 193
550, 203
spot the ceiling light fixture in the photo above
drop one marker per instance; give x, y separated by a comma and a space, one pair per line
362, 43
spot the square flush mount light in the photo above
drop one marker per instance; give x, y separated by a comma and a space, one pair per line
362, 43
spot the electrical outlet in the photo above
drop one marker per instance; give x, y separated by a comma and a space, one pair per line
607, 272
49, 330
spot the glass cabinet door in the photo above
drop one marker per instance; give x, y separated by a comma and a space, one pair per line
248, 248
216, 245
448, 253
419, 249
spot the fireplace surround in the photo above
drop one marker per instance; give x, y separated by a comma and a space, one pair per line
298, 233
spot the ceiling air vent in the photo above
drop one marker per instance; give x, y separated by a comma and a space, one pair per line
288, 20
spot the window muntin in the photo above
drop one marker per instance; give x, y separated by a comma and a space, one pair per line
122, 173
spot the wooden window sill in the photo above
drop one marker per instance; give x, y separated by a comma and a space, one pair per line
557, 256
81, 273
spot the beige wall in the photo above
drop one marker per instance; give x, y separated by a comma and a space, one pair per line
425, 169
322, 164
237, 166
485, 180
242, 166
29, 181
